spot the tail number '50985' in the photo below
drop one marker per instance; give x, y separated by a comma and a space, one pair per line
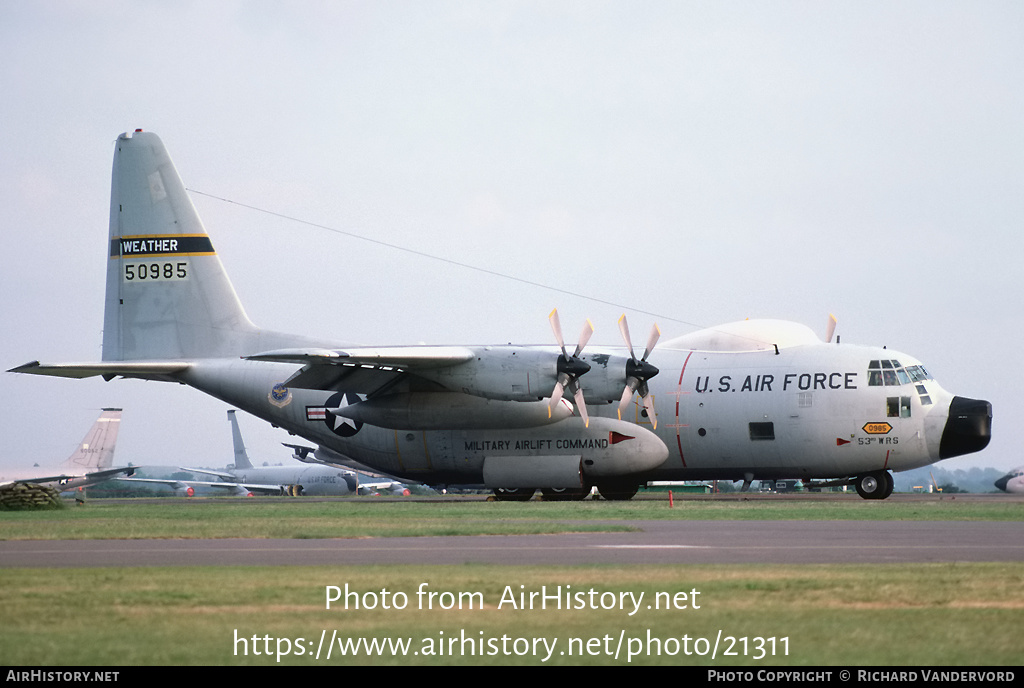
155, 270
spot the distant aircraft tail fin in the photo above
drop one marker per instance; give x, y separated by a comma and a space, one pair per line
241, 458
168, 296
96, 450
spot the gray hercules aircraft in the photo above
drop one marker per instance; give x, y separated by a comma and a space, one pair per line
89, 464
752, 400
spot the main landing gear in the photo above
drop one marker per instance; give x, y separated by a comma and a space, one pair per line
874, 485
609, 491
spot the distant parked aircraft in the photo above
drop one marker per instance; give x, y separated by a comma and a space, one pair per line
89, 464
1012, 481
244, 479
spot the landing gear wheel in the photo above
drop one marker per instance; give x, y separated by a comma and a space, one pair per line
513, 494
876, 485
617, 492
564, 494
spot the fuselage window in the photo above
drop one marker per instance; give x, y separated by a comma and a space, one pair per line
762, 431
897, 407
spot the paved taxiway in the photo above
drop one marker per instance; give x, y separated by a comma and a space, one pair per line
654, 542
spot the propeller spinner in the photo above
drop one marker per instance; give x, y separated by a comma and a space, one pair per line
639, 372
570, 368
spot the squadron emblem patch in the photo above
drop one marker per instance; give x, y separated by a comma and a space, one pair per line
280, 396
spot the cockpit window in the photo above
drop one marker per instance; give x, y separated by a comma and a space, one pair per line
918, 373
889, 373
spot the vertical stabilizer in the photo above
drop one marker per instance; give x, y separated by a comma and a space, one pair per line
241, 458
96, 451
168, 296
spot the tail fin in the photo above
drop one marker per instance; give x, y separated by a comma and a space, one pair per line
241, 458
168, 296
97, 448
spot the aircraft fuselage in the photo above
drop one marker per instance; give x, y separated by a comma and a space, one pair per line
813, 411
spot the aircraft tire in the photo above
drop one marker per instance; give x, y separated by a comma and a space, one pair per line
563, 494
890, 484
513, 494
617, 492
876, 485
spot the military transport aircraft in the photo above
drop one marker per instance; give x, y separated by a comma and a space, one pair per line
1012, 481
89, 464
750, 400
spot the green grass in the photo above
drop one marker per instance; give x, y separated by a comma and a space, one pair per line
885, 615
299, 518
927, 614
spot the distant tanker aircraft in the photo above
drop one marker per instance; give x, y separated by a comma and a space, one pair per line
244, 479
762, 400
89, 464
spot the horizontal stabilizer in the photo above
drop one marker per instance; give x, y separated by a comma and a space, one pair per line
150, 370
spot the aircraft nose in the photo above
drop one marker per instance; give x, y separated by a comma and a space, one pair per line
1002, 482
968, 427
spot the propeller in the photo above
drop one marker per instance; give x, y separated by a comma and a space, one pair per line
639, 372
570, 368
830, 328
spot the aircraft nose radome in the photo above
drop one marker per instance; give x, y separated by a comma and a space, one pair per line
968, 428
1002, 482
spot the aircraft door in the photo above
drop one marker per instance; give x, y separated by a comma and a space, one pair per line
412, 450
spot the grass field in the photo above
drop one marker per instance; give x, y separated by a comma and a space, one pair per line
947, 614
298, 518
883, 615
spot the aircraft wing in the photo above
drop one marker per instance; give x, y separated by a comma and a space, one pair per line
80, 480
236, 488
363, 370
220, 474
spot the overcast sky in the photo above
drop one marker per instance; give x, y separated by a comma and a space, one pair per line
702, 161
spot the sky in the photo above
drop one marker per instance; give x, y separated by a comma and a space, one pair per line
689, 163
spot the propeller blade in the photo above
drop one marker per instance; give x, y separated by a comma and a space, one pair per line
830, 329
556, 394
556, 327
627, 394
649, 405
581, 404
588, 330
652, 339
624, 329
